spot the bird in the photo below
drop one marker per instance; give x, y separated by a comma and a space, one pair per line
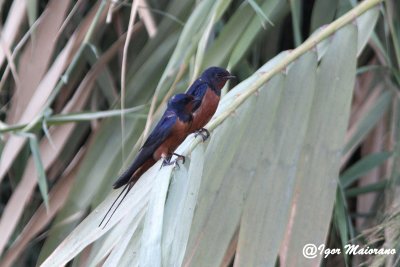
207, 90
167, 135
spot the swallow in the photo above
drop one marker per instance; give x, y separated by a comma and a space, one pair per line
207, 90
172, 129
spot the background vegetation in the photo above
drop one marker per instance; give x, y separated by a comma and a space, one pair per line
303, 149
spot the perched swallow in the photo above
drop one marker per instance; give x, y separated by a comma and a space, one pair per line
207, 89
168, 134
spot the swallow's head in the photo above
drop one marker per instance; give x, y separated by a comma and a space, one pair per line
216, 77
182, 103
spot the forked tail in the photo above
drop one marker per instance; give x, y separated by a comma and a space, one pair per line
127, 188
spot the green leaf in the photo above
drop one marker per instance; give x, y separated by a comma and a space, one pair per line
180, 212
274, 8
263, 223
230, 34
296, 8
366, 24
130, 253
104, 80
188, 39
130, 232
260, 13
341, 220
88, 230
368, 121
215, 14
74, 117
375, 187
32, 11
88, 116
41, 174
362, 167
323, 13
318, 170
150, 253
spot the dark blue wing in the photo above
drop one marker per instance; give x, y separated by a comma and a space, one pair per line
198, 89
155, 139
161, 131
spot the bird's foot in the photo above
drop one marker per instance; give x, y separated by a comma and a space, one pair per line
166, 161
180, 157
203, 132
176, 161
